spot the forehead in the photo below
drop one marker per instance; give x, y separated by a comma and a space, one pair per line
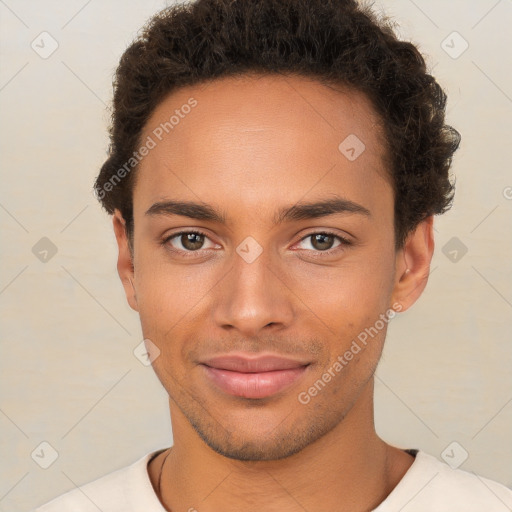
261, 138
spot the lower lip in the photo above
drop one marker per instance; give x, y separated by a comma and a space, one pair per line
254, 385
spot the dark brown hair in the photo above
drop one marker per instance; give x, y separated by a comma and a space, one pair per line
332, 41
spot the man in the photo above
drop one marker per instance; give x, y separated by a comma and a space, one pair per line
273, 174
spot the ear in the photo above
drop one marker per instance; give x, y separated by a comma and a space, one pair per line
125, 267
413, 265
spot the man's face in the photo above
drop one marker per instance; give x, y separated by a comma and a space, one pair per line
250, 287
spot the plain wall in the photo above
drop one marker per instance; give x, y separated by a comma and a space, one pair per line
68, 373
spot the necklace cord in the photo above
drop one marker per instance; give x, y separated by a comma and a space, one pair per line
161, 472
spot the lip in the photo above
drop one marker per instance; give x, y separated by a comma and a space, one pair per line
253, 377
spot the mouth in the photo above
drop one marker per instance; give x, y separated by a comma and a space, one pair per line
256, 377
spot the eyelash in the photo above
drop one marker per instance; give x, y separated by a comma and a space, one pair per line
344, 242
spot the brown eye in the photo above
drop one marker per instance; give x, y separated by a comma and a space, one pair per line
192, 241
186, 242
322, 241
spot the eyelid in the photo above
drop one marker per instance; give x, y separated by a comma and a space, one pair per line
344, 242
171, 236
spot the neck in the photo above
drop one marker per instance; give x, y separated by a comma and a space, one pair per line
348, 469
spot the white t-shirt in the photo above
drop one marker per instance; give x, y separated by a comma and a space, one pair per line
428, 486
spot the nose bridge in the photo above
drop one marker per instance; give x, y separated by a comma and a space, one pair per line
253, 294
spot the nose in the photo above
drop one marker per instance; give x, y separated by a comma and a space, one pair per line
253, 296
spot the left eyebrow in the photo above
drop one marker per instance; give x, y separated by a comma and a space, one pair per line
296, 212
302, 211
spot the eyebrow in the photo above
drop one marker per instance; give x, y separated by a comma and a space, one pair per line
296, 212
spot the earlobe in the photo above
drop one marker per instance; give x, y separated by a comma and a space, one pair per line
125, 266
413, 265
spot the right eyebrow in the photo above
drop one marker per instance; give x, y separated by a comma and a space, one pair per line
186, 209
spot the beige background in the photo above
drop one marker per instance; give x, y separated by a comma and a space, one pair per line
69, 376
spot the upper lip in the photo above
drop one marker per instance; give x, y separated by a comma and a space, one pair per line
250, 364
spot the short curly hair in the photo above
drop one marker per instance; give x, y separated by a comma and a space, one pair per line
333, 41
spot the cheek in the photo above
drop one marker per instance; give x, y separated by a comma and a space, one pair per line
351, 302
157, 297
349, 296
162, 288
171, 298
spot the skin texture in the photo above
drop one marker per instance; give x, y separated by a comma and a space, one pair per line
251, 146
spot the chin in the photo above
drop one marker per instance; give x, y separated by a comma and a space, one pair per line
255, 450
245, 444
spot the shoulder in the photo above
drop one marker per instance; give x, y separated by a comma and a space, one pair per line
118, 491
431, 485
